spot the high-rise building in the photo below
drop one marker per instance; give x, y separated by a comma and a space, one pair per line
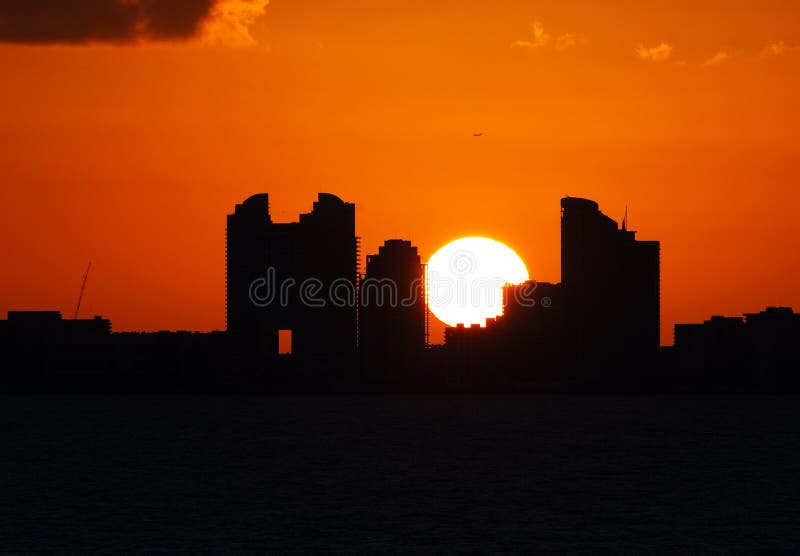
603, 315
611, 281
298, 276
392, 303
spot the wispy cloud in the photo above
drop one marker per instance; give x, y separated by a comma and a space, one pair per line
540, 39
719, 58
779, 48
566, 41
659, 53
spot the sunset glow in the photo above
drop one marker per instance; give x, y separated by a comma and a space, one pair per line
128, 151
466, 277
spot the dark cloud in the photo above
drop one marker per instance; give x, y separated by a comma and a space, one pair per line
80, 21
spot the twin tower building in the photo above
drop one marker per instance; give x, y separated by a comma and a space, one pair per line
304, 277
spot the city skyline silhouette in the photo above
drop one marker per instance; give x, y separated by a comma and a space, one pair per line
152, 134
375, 277
302, 316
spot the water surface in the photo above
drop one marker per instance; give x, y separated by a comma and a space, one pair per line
434, 474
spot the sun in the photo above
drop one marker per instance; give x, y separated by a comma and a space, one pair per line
465, 280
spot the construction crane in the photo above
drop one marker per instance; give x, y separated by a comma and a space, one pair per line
80, 295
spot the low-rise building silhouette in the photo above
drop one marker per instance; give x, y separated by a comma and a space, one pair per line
758, 351
37, 346
49, 327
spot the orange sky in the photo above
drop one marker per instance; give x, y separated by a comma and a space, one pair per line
131, 155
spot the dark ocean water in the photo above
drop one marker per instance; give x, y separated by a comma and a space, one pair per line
579, 475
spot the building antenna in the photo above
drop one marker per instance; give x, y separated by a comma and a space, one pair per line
80, 295
625, 220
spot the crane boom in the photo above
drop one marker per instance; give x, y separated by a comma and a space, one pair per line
80, 295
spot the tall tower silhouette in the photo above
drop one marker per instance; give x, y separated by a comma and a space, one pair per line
392, 318
248, 255
612, 281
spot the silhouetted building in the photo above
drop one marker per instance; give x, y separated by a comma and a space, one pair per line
602, 319
534, 327
611, 280
392, 303
758, 351
526, 343
39, 348
774, 330
298, 276
48, 326
716, 334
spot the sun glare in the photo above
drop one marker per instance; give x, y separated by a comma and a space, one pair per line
465, 280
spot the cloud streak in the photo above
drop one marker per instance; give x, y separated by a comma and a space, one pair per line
540, 39
126, 21
719, 58
659, 53
779, 48
566, 41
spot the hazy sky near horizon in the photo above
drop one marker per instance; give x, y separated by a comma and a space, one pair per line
125, 139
